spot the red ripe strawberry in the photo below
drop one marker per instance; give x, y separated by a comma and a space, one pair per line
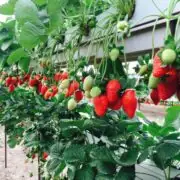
48, 94
78, 95
33, 82
26, 77
57, 77
20, 81
14, 80
37, 77
44, 88
155, 96
45, 155
129, 102
64, 75
100, 105
54, 90
33, 156
44, 78
172, 75
112, 89
11, 87
74, 86
39, 87
168, 88
158, 69
8, 81
117, 105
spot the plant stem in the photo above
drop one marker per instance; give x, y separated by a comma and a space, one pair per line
153, 33
169, 173
177, 28
165, 174
125, 58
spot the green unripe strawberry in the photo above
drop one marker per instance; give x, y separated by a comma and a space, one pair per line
88, 83
168, 56
65, 84
153, 82
143, 69
114, 54
87, 94
72, 104
95, 91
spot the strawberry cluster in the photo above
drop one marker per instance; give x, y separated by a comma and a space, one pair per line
165, 79
112, 98
48, 87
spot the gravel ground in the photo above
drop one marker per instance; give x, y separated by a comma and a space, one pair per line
18, 167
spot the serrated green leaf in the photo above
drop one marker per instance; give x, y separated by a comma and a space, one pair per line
104, 177
30, 35
66, 123
59, 169
6, 44
172, 117
24, 64
74, 153
40, 2
143, 156
57, 150
8, 8
105, 167
168, 149
12, 142
71, 172
85, 173
128, 158
16, 55
54, 8
153, 129
26, 11
4, 35
52, 164
172, 136
126, 173
102, 154
159, 162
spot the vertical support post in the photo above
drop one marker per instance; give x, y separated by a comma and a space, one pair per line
39, 169
39, 166
5, 148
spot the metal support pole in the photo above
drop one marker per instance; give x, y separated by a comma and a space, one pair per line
39, 169
5, 148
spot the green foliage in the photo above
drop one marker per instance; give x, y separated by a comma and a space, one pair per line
16, 55
54, 8
126, 173
88, 146
8, 8
85, 173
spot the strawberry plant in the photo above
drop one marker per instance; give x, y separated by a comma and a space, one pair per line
79, 116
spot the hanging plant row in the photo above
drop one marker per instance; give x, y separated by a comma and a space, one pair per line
80, 117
